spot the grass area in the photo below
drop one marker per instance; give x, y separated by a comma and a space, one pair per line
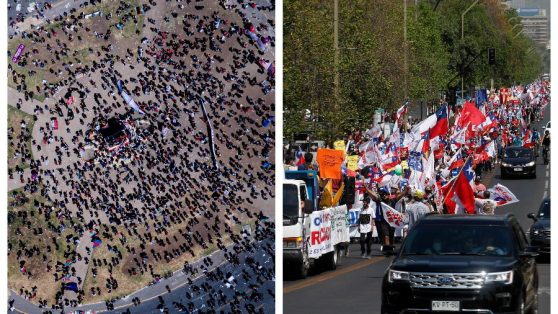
129, 284
15, 116
27, 226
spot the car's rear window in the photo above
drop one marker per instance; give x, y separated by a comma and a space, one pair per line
455, 239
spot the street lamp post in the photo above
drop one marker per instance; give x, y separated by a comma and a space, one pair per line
462, 37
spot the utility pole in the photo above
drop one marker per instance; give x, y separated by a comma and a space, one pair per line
462, 38
405, 45
336, 57
336, 48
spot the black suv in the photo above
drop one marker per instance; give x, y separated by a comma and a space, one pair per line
467, 263
539, 233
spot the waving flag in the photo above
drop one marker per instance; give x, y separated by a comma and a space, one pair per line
502, 195
471, 114
527, 140
424, 125
400, 112
415, 162
456, 160
459, 137
459, 189
299, 155
441, 126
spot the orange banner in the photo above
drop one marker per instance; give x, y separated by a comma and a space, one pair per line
330, 161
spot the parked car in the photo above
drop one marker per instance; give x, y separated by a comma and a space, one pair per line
469, 263
518, 161
539, 233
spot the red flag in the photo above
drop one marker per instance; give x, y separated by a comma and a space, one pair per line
448, 192
527, 143
471, 114
464, 193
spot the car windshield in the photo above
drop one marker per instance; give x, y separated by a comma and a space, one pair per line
544, 211
454, 239
290, 200
517, 153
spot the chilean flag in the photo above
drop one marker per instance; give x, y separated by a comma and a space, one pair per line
441, 126
460, 189
527, 142
464, 194
299, 155
456, 160
401, 111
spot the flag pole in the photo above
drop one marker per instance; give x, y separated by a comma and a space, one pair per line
455, 179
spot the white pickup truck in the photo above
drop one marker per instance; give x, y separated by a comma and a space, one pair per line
311, 237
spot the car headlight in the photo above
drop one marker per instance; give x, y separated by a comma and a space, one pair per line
292, 243
395, 275
503, 277
506, 165
536, 232
532, 163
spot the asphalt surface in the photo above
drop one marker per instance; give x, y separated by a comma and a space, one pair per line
355, 287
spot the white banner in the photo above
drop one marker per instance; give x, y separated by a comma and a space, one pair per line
339, 226
502, 195
328, 227
393, 217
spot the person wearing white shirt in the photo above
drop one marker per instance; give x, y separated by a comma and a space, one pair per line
365, 223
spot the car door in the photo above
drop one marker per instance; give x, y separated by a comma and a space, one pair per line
528, 266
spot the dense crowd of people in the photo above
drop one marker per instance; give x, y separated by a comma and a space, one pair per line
414, 167
148, 193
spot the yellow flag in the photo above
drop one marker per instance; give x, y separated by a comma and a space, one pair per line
338, 195
327, 195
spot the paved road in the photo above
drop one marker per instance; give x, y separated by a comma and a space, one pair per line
355, 287
30, 14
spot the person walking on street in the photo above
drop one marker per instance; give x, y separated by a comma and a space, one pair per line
416, 210
546, 145
365, 222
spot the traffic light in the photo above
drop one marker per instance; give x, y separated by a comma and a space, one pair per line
491, 56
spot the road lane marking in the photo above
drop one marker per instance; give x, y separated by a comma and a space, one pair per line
330, 275
546, 185
544, 195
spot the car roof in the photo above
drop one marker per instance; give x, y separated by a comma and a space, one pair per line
492, 220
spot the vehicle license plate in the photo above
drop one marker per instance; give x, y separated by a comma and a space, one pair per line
517, 169
452, 306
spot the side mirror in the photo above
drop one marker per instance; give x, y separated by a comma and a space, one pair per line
530, 252
308, 207
532, 216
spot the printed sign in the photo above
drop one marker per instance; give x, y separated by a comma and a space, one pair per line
352, 163
339, 145
320, 233
18, 53
328, 227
